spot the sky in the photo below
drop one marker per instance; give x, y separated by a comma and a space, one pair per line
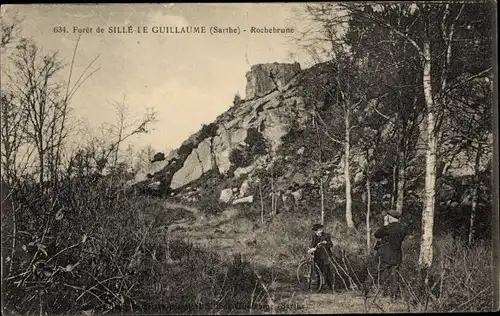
189, 79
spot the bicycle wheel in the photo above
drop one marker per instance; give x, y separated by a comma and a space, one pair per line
308, 278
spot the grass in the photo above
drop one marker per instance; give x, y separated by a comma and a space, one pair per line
460, 277
110, 253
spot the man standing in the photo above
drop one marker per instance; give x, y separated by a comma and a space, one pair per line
321, 246
389, 254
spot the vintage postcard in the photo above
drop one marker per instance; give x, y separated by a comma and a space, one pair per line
249, 158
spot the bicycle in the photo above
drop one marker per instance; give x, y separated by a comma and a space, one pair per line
306, 270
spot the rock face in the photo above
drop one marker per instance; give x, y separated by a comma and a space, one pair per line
197, 163
273, 105
264, 78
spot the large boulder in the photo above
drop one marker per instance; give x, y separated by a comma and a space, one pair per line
248, 199
226, 195
196, 164
245, 188
264, 78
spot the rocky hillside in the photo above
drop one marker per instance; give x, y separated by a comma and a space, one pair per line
270, 135
273, 105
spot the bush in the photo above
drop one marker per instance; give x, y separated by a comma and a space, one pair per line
256, 142
207, 131
240, 158
460, 278
237, 99
158, 157
94, 248
185, 149
257, 145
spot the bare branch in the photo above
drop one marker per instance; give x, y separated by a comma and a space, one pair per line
325, 130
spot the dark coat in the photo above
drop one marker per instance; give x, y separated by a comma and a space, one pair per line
389, 250
323, 251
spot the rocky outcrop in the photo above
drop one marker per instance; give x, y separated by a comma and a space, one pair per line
196, 164
264, 78
274, 103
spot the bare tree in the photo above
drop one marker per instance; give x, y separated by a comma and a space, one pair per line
127, 125
43, 104
10, 28
12, 138
143, 158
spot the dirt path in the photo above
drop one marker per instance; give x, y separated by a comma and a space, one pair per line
212, 232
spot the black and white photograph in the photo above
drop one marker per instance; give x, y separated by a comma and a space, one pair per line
249, 158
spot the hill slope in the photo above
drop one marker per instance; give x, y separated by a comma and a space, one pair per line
265, 151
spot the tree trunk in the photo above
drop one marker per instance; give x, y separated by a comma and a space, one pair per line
368, 210
272, 195
426, 251
321, 191
261, 203
348, 198
395, 176
401, 183
394, 185
42, 167
474, 196
322, 200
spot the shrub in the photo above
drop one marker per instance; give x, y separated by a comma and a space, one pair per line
237, 99
460, 278
207, 131
256, 142
240, 158
158, 157
257, 145
102, 250
185, 149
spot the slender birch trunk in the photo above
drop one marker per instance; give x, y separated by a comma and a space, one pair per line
321, 184
426, 251
368, 210
322, 200
261, 203
272, 196
394, 185
401, 183
348, 198
395, 179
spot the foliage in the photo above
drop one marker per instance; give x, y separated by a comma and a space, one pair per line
256, 141
158, 157
237, 99
240, 158
96, 249
207, 131
185, 149
256, 145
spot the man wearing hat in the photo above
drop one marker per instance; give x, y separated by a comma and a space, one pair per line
389, 254
321, 246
